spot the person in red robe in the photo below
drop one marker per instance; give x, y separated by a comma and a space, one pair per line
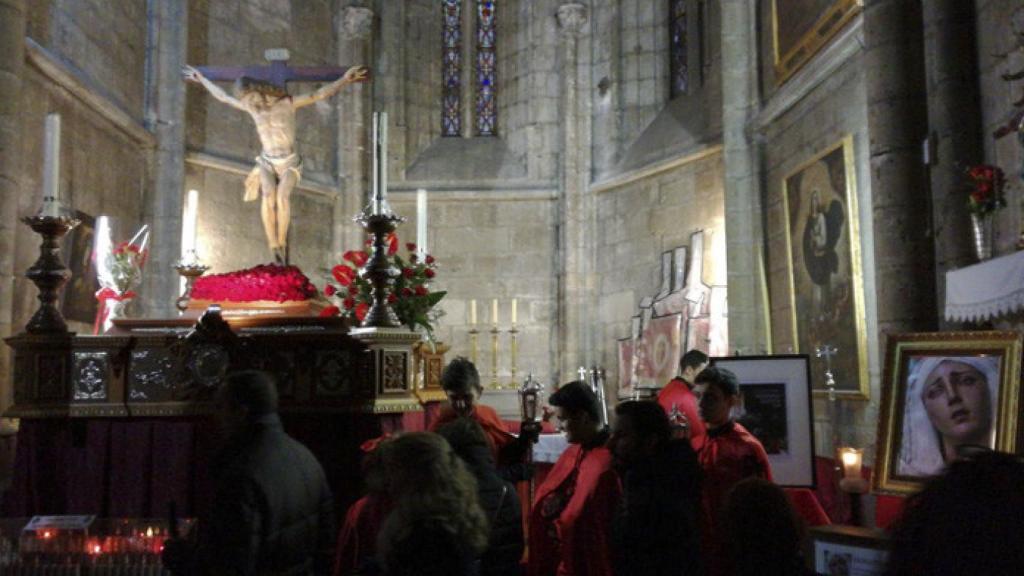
357, 541
461, 383
730, 454
573, 509
680, 403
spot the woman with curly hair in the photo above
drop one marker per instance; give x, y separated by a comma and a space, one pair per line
436, 525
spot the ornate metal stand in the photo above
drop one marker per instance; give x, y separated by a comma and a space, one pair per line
494, 357
513, 354
378, 269
189, 271
48, 273
474, 346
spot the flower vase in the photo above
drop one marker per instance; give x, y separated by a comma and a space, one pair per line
112, 307
981, 226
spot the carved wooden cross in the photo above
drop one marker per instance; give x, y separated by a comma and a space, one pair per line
279, 73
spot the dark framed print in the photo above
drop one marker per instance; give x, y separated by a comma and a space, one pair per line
79, 297
945, 394
848, 550
826, 286
776, 408
800, 28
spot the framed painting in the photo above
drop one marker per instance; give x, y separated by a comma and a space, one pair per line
944, 395
824, 260
844, 550
776, 408
79, 295
800, 28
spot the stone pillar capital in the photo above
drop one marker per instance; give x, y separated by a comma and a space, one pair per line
571, 18
356, 22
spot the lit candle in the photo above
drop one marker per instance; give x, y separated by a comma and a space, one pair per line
51, 167
421, 220
494, 311
472, 312
514, 307
852, 459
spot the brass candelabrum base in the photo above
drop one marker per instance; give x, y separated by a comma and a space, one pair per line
474, 346
189, 272
48, 273
378, 269
513, 335
494, 357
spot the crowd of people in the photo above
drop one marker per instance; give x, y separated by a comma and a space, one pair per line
674, 487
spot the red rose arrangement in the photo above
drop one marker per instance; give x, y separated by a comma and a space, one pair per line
411, 298
264, 282
987, 189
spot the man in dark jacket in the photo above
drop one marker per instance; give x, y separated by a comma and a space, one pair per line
498, 497
655, 529
272, 512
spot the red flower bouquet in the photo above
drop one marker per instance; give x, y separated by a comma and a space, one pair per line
987, 184
266, 282
411, 298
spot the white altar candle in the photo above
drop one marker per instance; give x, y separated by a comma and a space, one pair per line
375, 173
189, 225
421, 221
514, 311
472, 312
383, 159
51, 167
494, 311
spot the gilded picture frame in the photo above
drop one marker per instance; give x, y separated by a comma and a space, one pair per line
826, 285
944, 394
800, 28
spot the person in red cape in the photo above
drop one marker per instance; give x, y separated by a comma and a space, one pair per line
570, 522
461, 383
677, 397
730, 454
357, 541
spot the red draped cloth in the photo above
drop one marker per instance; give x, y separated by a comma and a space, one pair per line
357, 540
497, 435
730, 454
677, 394
576, 542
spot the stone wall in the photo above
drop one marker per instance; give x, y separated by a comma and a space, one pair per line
638, 220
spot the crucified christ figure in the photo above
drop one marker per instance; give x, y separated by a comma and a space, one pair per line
278, 167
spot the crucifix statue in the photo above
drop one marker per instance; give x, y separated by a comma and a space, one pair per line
262, 92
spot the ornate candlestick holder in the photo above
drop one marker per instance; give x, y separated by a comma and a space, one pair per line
48, 273
474, 345
378, 269
513, 335
494, 357
189, 270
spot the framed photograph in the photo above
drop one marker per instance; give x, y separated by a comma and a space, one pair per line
79, 294
943, 394
849, 550
800, 28
776, 408
826, 287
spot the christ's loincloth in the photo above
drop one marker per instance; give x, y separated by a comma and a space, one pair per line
280, 165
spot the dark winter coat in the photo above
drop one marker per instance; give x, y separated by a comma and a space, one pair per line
500, 503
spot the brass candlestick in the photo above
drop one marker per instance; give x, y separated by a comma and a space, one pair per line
514, 354
48, 273
189, 270
494, 357
474, 348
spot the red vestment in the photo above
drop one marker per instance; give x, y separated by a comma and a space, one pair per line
576, 542
730, 454
497, 435
357, 540
677, 393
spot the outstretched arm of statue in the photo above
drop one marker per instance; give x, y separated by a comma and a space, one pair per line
191, 74
352, 75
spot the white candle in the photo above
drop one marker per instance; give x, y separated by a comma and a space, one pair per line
188, 225
421, 221
375, 173
383, 159
51, 166
472, 312
514, 310
494, 311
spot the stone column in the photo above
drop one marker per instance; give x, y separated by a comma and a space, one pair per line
897, 126
743, 223
165, 202
572, 284
355, 29
954, 119
12, 61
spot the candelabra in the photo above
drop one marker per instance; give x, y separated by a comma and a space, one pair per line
48, 273
378, 269
474, 345
513, 335
494, 357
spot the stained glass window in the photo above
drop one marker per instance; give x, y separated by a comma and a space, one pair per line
486, 58
451, 68
679, 65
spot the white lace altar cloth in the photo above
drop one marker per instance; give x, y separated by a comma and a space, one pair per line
986, 290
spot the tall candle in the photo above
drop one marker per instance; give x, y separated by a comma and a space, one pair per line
383, 159
421, 221
51, 166
514, 310
494, 311
472, 312
188, 224
375, 172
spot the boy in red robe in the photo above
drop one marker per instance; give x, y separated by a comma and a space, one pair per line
730, 454
357, 541
677, 396
570, 522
